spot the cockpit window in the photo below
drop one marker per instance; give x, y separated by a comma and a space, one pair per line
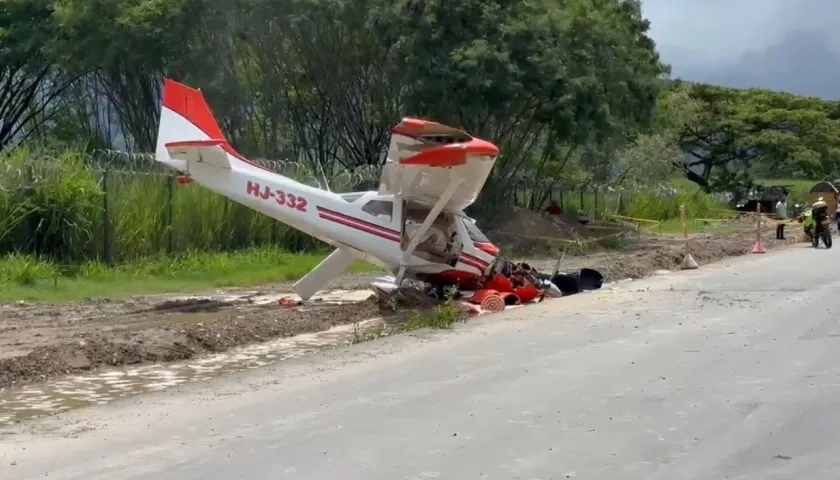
380, 208
474, 233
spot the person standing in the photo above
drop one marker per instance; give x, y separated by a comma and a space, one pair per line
781, 216
819, 211
554, 209
837, 210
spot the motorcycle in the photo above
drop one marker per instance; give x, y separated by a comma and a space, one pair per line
825, 233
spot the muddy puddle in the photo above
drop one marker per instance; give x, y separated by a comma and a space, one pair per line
99, 388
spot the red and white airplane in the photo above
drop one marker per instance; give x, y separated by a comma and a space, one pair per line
414, 225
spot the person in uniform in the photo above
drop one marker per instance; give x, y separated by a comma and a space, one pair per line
819, 212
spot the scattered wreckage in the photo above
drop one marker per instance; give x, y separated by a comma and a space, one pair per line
507, 284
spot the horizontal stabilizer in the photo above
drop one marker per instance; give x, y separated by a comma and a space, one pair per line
209, 152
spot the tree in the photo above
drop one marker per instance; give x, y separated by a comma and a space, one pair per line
740, 132
30, 82
127, 46
537, 78
654, 155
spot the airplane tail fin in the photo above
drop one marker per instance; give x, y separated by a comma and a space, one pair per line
188, 131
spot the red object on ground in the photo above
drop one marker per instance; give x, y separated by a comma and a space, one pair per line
489, 300
759, 247
510, 298
554, 209
500, 283
289, 302
528, 292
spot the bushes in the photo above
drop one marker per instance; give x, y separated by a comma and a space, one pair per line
661, 203
665, 207
47, 207
73, 208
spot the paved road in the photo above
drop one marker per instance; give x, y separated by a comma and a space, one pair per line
732, 372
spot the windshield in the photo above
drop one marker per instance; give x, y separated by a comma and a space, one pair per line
474, 233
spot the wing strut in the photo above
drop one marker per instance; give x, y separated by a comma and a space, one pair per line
424, 227
332, 266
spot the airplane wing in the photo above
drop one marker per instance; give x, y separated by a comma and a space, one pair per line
424, 158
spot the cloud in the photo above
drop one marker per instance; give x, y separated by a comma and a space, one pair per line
725, 29
785, 45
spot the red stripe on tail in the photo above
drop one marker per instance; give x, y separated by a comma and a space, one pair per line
190, 104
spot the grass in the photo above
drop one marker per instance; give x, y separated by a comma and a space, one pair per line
674, 227
28, 278
442, 317
122, 208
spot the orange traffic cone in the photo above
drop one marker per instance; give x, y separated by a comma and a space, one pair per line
759, 247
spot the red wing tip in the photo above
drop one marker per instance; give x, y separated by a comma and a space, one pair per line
197, 143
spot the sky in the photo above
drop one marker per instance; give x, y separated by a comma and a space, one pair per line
720, 30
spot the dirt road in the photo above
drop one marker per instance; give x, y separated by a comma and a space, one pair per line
38, 341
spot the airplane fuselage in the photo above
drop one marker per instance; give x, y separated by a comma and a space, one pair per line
344, 221
413, 225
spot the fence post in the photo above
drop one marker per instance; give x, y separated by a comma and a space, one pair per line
273, 240
107, 254
31, 220
231, 227
170, 214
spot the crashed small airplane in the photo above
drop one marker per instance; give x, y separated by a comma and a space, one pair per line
414, 225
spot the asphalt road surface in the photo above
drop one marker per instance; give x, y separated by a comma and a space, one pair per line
728, 372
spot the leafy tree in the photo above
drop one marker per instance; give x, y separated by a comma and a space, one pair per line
128, 45
29, 80
537, 78
654, 155
741, 131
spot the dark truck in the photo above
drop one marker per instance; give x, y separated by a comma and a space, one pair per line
748, 197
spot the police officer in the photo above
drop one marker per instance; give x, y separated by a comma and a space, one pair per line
819, 212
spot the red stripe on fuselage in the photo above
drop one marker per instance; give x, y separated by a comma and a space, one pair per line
472, 263
357, 224
475, 259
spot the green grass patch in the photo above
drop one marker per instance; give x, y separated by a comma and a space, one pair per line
28, 278
441, 317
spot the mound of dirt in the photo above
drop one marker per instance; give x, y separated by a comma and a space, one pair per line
164, 337
526, 222
528, 233
667, 254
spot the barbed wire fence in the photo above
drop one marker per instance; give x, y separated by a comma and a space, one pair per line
115, 206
